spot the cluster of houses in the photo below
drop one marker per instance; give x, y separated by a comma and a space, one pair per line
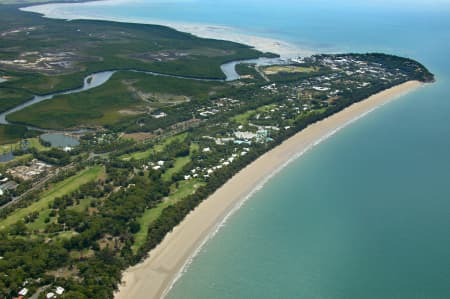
217, 106
30, 171
346, 69
205, 172
54, 293
156, 165
104, 138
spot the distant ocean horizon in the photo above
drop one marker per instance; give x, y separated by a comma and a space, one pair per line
365, 214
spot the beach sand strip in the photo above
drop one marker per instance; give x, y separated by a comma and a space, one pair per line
153, 277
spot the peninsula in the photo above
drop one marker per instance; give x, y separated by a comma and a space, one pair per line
165, 145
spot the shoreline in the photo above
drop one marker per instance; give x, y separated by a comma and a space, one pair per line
156, 275
209, 31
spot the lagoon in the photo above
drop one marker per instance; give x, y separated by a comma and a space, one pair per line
60, 140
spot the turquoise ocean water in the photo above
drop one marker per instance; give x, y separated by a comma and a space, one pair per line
366, 214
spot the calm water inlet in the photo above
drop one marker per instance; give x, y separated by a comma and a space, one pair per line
60, 140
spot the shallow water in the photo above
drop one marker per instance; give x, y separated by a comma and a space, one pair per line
60, 140
6, 157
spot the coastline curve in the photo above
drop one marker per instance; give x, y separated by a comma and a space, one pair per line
158, 273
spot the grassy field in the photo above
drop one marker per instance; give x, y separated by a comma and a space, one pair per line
177, 166
157, 148
184, 189
244, 117
137, 155
274, 70
288, 73
67, 186
82, 206
32, 143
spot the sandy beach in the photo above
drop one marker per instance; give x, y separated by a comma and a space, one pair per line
154, 277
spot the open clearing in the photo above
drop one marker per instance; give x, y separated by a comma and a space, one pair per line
290, 69
68, 185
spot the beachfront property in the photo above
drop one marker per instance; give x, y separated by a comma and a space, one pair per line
120, 194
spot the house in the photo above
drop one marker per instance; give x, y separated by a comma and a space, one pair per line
59, 290
319, 88
23, 292
159, 115
244, 135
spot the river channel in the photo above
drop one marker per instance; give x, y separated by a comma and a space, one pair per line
98, 79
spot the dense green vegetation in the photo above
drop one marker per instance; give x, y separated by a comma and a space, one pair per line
127, 95
10, 98
104, 204
91, 46
65, 187
94, 107
12, 133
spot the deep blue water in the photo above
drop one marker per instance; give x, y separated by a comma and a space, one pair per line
366, 214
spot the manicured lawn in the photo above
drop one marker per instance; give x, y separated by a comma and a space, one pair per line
67, 186
273, 70
34, 143
137, 155
244, 117
84, 204
185, 188
157, 148
177, 166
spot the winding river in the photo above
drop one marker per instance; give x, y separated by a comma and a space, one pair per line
90, 82
98, 79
